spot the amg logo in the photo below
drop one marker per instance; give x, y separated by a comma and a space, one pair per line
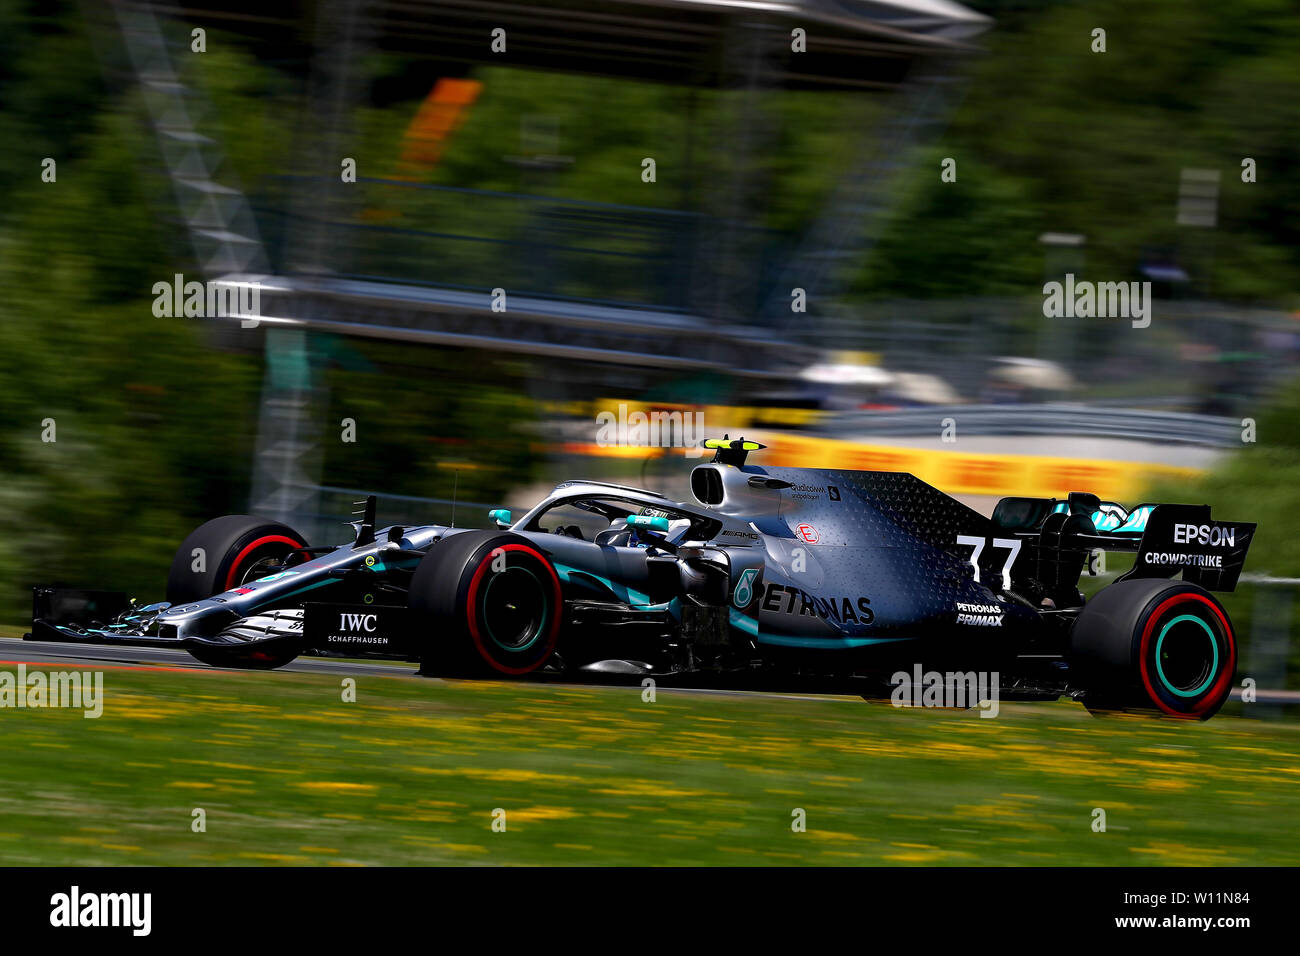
1211, 534
357, 622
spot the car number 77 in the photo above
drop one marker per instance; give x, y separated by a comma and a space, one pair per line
1013, 550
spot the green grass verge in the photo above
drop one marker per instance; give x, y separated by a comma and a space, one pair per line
411, 773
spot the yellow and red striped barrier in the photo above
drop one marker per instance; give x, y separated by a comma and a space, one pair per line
973, 473
954, 472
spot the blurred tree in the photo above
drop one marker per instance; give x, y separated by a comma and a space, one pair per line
153, 426
1054, 137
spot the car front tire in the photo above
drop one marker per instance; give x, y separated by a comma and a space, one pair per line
223, 554
491, 605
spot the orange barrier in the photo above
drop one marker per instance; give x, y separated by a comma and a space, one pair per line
441, 113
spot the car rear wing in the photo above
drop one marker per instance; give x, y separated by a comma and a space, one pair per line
1165, 538
1186, 538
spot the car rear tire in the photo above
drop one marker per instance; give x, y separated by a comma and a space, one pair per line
491, 605
1154, 646
235, 549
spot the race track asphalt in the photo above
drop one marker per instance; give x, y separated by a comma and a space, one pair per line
14, 650
29, 652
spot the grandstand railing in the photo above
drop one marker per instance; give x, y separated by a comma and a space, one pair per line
479, 240
1197, 356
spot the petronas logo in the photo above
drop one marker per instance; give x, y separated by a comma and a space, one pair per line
745, 588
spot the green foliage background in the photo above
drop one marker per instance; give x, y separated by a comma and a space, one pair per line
155, 425
1054, 137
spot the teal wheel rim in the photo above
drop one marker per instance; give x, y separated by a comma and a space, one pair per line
1170, 684
516, 609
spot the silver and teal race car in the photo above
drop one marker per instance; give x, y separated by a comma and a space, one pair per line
840, 578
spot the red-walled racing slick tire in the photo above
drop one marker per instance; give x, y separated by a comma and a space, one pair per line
491, 604
1155, 646
234, 550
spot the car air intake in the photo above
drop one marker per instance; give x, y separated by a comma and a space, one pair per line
706, 485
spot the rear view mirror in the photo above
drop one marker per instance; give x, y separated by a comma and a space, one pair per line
649, 522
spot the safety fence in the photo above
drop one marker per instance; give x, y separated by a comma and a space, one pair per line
409, 233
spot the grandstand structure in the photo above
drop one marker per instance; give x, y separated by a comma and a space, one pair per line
674, 290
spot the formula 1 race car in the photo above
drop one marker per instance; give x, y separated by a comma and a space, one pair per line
832, 575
